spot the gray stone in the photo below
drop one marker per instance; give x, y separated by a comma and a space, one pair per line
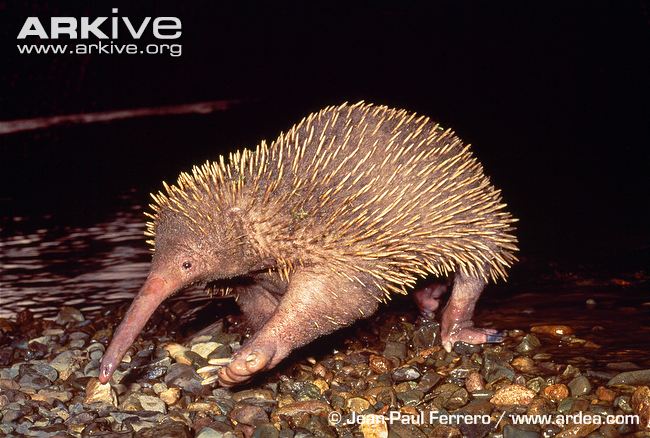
579, 386
634, 378
184, 377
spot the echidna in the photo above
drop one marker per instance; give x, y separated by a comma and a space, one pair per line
352, 204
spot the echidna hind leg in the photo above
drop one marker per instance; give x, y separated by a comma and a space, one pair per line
428, 299
456, 323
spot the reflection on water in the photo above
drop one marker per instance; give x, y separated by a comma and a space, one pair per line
46, 263
86, 267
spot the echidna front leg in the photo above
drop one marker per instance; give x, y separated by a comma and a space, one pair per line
316, 303
257, 304
456, 323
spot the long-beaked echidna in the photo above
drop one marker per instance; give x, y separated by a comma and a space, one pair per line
352, 204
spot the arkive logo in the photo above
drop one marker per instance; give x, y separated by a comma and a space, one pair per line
100, 36
163, 28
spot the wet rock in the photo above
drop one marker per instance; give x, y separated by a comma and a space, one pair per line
428, 381
211, 408
623, 366
357, 404
528, 344
204, 349
513, 395
539, 406
395, 349
405, 374
208, 432
265, 431
579, 386
411, 397
640, 402
151, 403
427, 335
65, 364
313, 407
397, 430
184, 377
48, 396
167, 429
248, 414
99, 393
380, 364
577, 430
170, 395
177, 352
69, 314
552, 330
474, 382
466, 349
605, 394
36, 376
524, 365
635, 378
373, 426
511, 431
556, 393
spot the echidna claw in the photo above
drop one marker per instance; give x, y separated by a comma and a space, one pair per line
220, 361
495, 338
210, 380
208, 369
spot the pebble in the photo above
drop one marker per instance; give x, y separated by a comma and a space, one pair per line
605, 394
579, 386
524, 365
204, 349
208, 432
170, 395
69, 314
405, 374
395, 349
636, 378
640, 402
557, 392
99, 393
65, 364
378, 364
184, 377
248, 414
211, 408
474, 382
513, 395
296, 408
427, 335
373, 426
552, 330
528, 344
151, 403
357, 404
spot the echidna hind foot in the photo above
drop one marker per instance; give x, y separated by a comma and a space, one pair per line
456, 321
428, 299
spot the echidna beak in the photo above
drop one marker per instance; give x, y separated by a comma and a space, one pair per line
152, 293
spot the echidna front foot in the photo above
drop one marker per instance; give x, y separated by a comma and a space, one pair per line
254, 357
456, 323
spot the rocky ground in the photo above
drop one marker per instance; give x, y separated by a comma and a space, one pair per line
387, 376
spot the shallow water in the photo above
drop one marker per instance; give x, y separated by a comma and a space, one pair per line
47, 263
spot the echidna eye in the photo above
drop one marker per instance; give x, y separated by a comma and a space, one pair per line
187, 265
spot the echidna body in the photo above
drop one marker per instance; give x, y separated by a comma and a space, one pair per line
352, 204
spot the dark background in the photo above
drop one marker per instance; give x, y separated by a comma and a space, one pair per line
554, 97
